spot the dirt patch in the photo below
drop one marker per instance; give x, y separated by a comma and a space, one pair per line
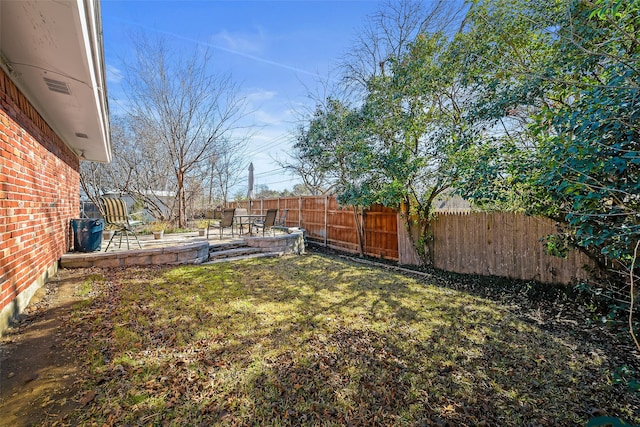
38, 374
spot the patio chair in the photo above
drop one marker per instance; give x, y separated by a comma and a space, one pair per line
117, 218
226, 221
212, 215
242, 219
269, 221
283, 218
281, 223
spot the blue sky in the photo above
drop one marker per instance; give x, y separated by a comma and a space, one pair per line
275, 50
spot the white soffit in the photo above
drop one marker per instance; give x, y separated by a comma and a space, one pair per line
53, 51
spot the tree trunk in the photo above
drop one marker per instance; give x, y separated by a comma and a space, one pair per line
422, 244
180, 197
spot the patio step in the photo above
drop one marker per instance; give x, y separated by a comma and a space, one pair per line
241, 257
217, 247
234, 252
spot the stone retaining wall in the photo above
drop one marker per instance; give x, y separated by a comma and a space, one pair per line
292, 243
192, 253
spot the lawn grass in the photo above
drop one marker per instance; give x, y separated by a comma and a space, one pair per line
316, 340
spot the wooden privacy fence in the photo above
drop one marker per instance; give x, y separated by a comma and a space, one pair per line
334, 226
503, 244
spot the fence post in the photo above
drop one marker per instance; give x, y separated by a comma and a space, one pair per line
326, 208
364, 230
300, 211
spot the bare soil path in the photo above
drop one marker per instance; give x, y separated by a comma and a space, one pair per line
38, 373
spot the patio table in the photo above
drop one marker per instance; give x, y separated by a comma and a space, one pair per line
248, 220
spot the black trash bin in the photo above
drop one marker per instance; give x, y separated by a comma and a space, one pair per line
87, 234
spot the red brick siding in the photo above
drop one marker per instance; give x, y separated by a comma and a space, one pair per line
39, 193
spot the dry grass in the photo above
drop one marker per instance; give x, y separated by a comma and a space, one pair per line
315, 340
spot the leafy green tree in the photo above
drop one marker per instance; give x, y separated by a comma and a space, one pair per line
334, 144
502, 54
397, 148
559, 85
416, 131
590, 144
560, 91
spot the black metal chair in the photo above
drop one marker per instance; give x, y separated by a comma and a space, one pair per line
283, 218
212, 215
242, 220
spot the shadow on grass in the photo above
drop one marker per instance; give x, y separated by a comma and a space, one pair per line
319, 341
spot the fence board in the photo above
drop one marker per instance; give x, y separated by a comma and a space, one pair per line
341, 227
312, 213
503, 244
407, 253
381, 232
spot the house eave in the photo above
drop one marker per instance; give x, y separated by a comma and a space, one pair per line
53, 52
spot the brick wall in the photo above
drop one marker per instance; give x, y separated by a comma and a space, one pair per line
39, 194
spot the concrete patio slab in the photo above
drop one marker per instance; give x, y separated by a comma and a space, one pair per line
180, 248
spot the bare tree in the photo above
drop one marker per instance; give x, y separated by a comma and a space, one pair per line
93, 178
149, 171
387, 34
138, 169
97, 179
179, 110
315, 181
226, 168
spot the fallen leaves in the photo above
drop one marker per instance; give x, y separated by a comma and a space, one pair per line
87, 397
318, 341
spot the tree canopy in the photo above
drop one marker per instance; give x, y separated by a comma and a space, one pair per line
573, 87
529, 106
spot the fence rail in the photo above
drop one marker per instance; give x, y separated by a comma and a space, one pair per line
503, 244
